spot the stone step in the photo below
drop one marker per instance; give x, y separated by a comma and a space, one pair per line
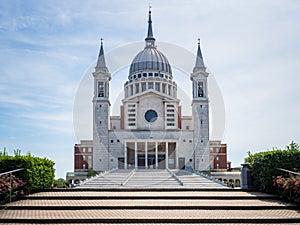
139, 206
150, 216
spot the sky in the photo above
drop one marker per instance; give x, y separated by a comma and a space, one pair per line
251, 49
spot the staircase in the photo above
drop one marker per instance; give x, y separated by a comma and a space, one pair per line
149, 206
151, 178
148, 197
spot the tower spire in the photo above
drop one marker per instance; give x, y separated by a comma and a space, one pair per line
199, 65
101, 60
150, 38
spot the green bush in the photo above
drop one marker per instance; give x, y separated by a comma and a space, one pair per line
92, 173
263, 165
38, 172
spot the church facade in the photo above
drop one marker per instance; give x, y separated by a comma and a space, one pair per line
151, 132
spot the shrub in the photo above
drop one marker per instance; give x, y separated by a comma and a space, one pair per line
288, 187
92, 173
263, 165
5, 184
38, 172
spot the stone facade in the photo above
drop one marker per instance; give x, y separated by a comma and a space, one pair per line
151, 131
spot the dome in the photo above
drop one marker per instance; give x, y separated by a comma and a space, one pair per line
150, 59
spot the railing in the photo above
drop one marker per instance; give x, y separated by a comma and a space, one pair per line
288, 171
10, 178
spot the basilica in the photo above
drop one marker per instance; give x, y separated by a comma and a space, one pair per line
150, 132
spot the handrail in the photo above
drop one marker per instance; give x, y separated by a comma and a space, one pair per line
10, 179
288, 171
12, 171
175, 177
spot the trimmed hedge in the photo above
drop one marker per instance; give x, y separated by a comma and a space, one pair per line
263, 165
39, 173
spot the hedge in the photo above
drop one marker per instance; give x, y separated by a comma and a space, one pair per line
38, 172
263, 165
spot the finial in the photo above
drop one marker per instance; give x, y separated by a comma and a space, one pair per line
150, 39
198, 41
101, 39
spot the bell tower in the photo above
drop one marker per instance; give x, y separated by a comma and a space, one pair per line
200, 110
101, 113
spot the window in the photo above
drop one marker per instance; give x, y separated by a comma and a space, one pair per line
164, 88
157, 86
144, 74
131, 124
111, 141
151, 116
156, 74
89, 157
100, 89
161, 75
218, 166
150, 85
170, 124
131, 114
150, 74
170, 110
137, 88
217, 149
190, 141
131, 119
200, 89
131, 110
217, 158
139, 75
143, 86
83, 149
170, 115
90, 149
83, 166
187, 127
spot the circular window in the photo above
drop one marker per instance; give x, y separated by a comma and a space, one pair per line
151, 116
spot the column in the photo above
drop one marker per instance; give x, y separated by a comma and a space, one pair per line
167, 155
125, 155
176, 156
156, 156
146, 155
135, 155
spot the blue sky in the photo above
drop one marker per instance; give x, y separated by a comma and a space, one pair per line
250, 47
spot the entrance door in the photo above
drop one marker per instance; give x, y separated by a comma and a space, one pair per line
161, 162
182, 163
141, 161
120, 163
151, 161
